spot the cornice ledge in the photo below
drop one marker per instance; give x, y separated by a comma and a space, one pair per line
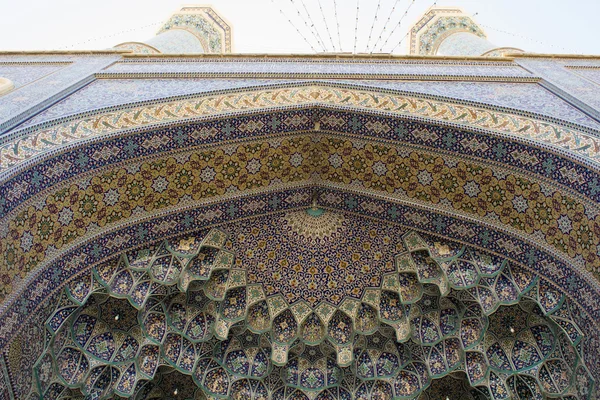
323, 56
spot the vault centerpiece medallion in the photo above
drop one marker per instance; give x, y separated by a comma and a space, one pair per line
315, 255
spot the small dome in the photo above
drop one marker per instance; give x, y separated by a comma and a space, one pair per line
6, 85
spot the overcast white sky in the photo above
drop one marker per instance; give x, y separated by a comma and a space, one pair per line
549, 26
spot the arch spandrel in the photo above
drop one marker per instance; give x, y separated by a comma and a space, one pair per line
349, 158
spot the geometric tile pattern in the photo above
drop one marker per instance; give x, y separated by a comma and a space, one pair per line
69, 72
529, 97
72, 210
205, 24
591, 73
436, 25
581, 90
23, 76
114, 92
79, 161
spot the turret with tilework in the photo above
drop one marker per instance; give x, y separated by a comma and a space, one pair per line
449, 31
192, 30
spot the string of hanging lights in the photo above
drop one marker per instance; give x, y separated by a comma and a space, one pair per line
373, 25
388, 30
407, 33
398, 26
326, 26
385, 25
337, 21
523, 37
400, 42
310, 27
295, 27
356, 25
312, 23
372, 42
111, 35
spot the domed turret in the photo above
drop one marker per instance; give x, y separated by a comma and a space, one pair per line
192, 30
451, 32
